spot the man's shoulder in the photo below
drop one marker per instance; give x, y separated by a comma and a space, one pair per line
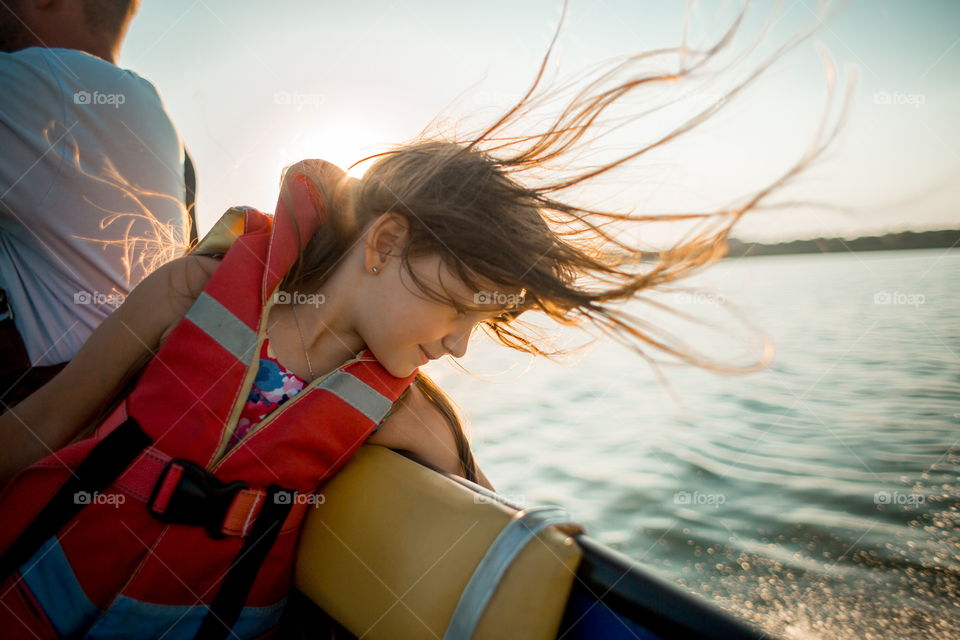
57, 60
73, 69
27, 68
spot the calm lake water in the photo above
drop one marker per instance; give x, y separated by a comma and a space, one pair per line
818, 497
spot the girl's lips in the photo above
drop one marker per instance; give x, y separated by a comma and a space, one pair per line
426, 358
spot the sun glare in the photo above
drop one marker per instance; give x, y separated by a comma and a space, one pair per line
342, 143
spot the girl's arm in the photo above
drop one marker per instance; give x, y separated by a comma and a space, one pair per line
482, 480
418, 426
55, 413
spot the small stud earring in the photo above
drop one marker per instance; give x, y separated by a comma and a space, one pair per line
375, 269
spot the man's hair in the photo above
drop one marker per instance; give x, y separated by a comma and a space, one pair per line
13, 34
108, 17
101, 17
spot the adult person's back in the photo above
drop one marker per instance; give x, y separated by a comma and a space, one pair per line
91, 181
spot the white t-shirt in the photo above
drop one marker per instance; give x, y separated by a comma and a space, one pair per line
73, 130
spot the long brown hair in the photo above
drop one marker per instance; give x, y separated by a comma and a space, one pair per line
482, 204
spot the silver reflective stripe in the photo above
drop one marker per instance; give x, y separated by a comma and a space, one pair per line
358, 394
229, 331
501, 554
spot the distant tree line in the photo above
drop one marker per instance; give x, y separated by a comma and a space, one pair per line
904, 240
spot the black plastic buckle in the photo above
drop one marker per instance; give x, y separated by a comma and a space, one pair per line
198, 499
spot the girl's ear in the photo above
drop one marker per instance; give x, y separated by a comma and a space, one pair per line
388, 235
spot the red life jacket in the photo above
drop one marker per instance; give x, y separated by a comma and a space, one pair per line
146, 528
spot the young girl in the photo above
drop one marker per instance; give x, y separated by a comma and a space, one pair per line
386, 273
367, 300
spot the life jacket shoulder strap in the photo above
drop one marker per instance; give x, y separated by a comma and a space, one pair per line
221, 236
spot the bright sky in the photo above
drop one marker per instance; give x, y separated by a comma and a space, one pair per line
253, 89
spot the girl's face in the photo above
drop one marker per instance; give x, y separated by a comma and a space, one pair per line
405, 329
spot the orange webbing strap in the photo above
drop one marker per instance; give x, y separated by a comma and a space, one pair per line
249, 502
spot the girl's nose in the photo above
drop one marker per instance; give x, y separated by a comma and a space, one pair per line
456, 343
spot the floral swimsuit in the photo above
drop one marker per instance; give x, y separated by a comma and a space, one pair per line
273, 386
